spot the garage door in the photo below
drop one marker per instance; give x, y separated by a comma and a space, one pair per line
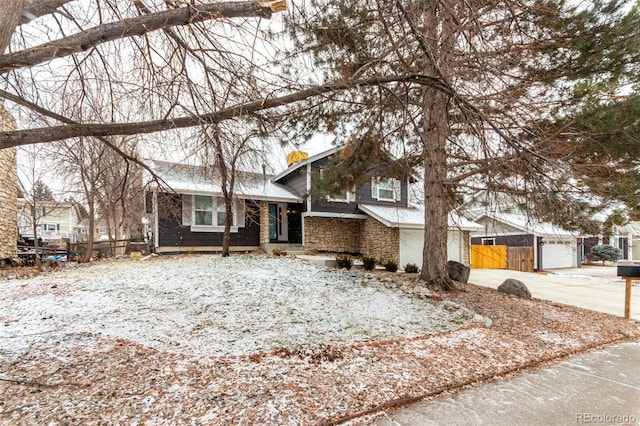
411, 244
558, 254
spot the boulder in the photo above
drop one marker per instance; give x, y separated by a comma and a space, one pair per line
458, 271
514, 287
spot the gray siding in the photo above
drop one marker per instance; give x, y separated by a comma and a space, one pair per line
296, 182
363, 195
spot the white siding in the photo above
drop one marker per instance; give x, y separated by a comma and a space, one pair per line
411, 244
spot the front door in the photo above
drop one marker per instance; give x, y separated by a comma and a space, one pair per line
278, 222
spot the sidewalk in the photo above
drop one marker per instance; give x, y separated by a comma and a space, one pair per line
600, 387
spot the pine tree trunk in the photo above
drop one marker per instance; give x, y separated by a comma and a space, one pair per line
434, 257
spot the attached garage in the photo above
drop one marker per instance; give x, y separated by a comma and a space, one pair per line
410, 222
412, 242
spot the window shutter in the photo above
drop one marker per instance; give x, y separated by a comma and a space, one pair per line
397, 189
240, 214
187, 209
374, 188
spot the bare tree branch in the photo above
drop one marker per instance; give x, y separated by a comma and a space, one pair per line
92, 37
50, 134
35, 8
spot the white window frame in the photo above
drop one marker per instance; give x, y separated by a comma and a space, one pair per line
217, 206
349, 196
396, 189
486, 240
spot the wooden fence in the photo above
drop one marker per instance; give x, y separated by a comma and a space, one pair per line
502, 257
489, 257
76, 251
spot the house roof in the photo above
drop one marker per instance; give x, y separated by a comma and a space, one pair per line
413, 217
196, 180
527, 224
306, 161
632, 228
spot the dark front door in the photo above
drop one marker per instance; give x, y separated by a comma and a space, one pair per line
294, 213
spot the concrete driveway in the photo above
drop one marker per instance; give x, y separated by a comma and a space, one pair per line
590, 287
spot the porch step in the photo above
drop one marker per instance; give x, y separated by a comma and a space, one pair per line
295, 249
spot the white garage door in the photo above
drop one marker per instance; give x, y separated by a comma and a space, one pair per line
411, 244
558, 254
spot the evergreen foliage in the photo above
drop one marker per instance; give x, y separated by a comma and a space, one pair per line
605, 253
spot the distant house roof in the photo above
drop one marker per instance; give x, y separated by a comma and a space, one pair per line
188, 179
527, 224
413, 217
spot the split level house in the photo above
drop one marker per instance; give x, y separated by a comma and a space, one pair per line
375, 219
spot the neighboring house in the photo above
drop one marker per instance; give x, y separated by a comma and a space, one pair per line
628, 240
55, 220
552, 246
375, 219
100, 231
505, 222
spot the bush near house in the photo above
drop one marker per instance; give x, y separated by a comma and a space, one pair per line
344, 261
391, 266
369, 263
411, 268
605, 253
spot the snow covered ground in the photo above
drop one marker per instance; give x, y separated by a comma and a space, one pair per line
208, 305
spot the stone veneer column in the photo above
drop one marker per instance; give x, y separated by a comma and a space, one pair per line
264, 222
380, 241
466, 255
8, 192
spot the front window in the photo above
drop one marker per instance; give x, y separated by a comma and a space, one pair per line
221, 212
203, 210
210, 211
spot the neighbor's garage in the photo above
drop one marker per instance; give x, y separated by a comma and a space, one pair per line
559, 254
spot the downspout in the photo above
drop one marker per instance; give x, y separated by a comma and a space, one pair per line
156, 237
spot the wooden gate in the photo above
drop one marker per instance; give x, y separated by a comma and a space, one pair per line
489, 257
520, 259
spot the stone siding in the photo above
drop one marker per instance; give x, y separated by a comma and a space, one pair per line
380, 241
332, 234
466, 249
8, 193
264, 222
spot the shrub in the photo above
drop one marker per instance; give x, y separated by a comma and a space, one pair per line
344, 261
391, 266
411, 268
369, 263
277, 251
605, 252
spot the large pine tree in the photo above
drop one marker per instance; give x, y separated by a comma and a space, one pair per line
487, 74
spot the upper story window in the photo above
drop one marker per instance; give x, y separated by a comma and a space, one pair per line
386, 189
342, 196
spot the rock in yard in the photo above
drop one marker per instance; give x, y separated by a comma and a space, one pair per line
458, 271
515, 287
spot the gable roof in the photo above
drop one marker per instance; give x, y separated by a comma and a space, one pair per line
306, 161
413, 217
189, 179
526, 224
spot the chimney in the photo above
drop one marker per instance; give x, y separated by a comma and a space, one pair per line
295, 157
